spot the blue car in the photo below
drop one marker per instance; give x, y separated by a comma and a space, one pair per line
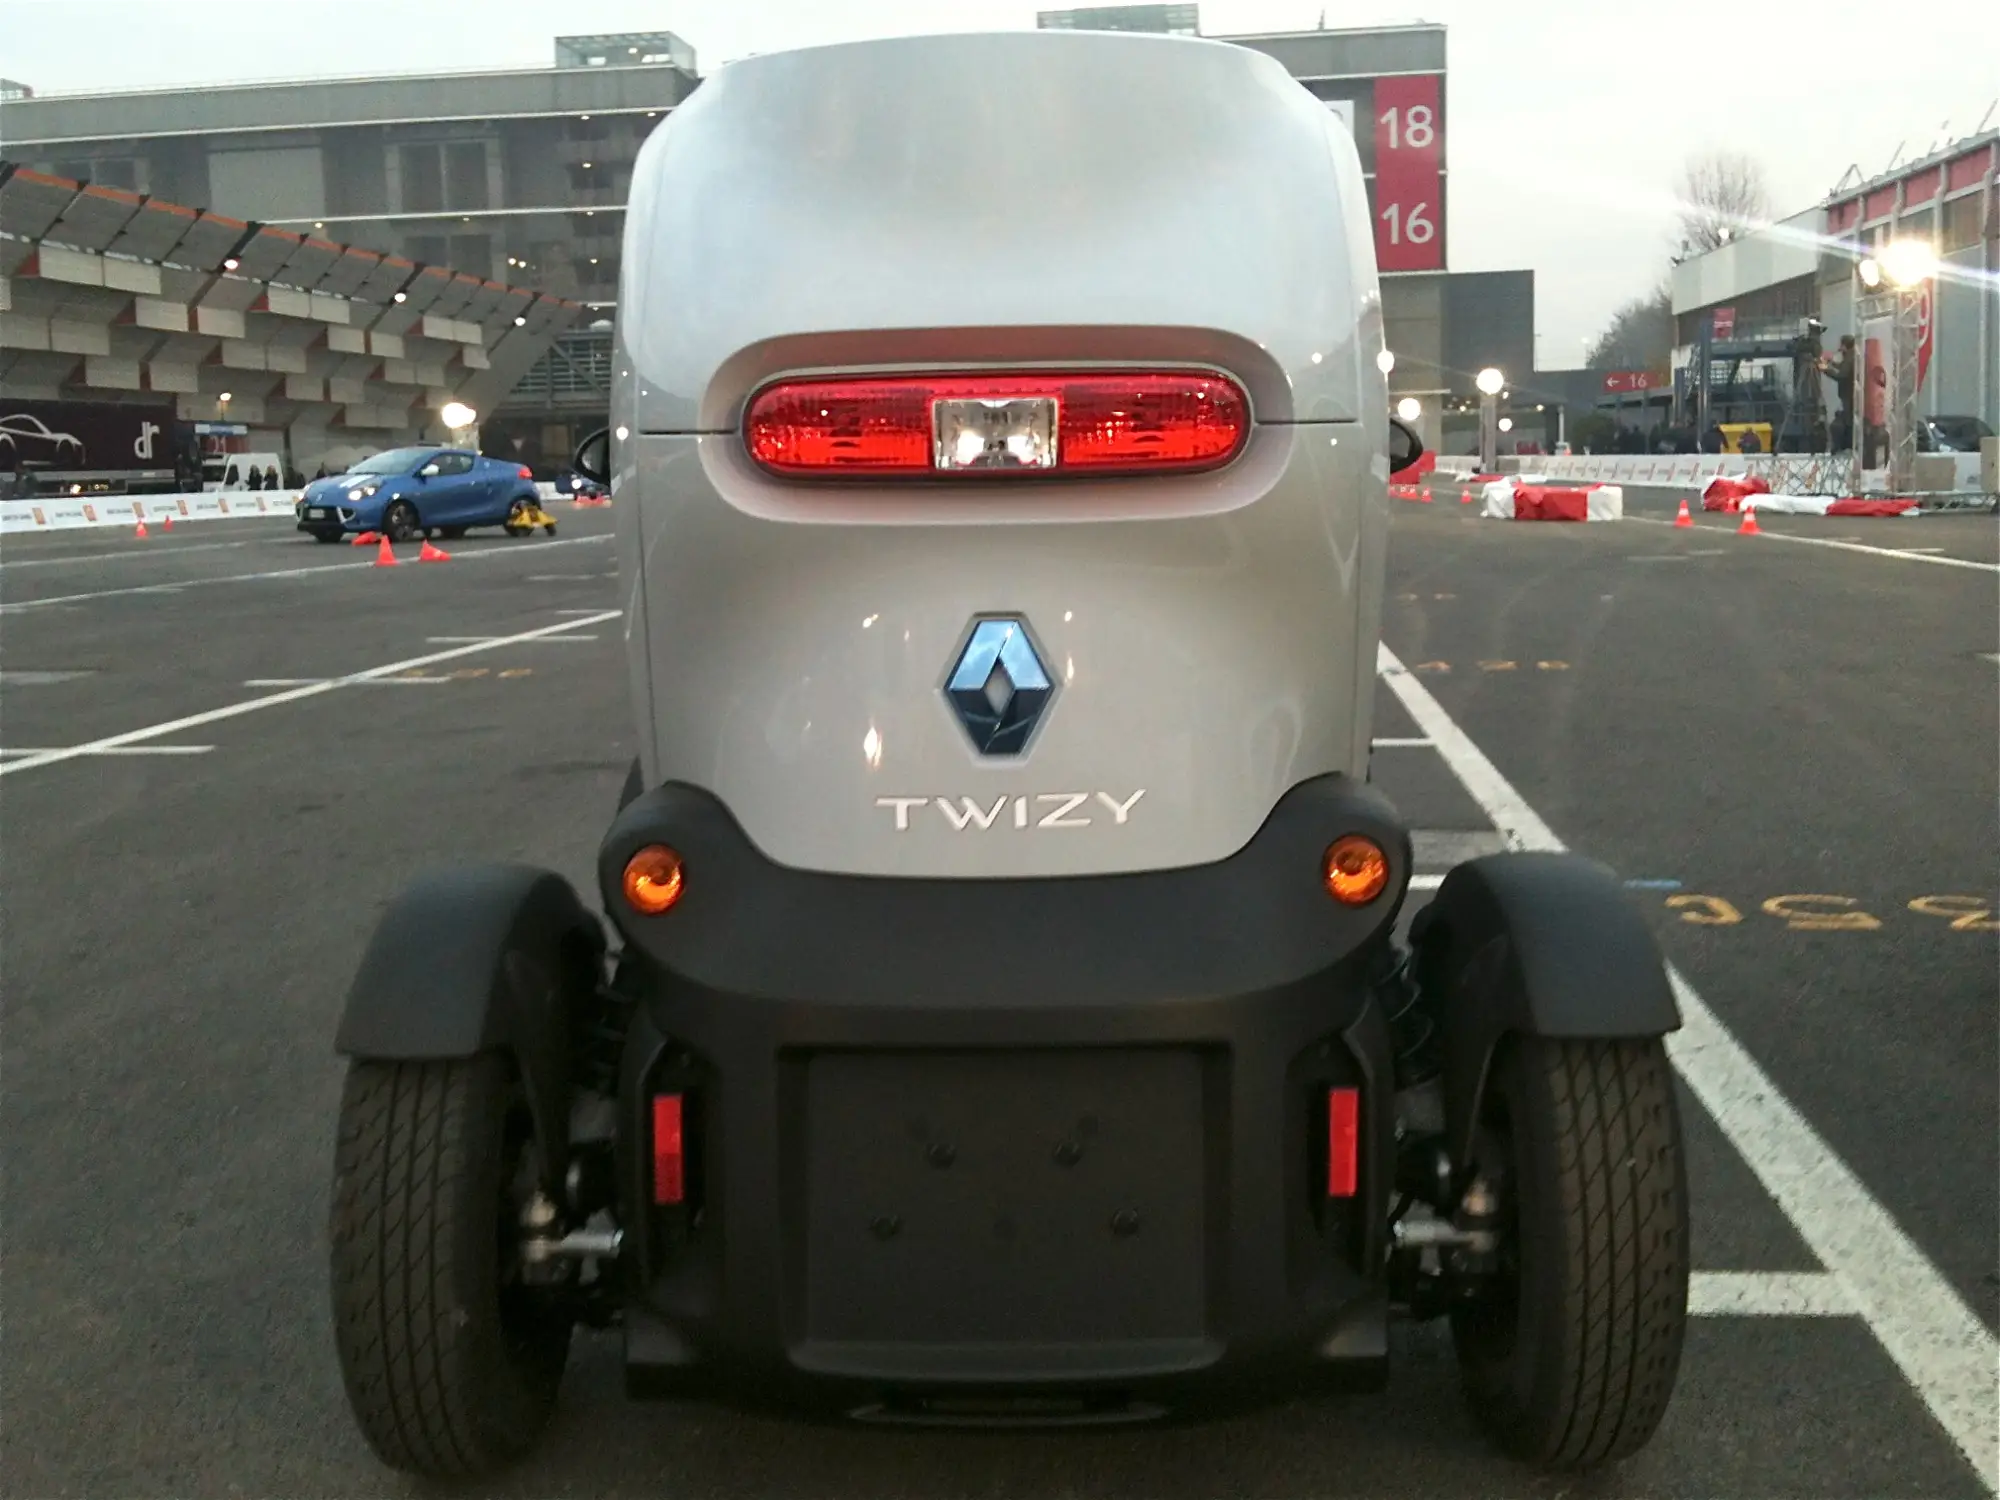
406, 493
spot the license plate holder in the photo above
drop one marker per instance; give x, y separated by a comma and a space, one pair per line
1017, 1197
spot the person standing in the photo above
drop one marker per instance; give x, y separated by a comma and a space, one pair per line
1840, 370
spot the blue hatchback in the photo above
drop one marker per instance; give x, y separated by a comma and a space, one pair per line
410, 492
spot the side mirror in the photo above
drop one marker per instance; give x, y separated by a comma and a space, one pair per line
429, 471
593, 456
1405, 447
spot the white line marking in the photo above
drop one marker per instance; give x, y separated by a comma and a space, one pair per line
84, 557
1767, 1294
1946, 1353
291, 695
1426, 882
1907, 554
322, 568
463, 640
1920, 549
123, 750
576, 611
370, 682
1405, 744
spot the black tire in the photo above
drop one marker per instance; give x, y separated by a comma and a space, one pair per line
1571, 1362
451, 533
400, 522
451, 1366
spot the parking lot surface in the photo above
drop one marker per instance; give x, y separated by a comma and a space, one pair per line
223, 750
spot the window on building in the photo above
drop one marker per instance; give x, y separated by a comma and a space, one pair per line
1961, 223
105, 171
423, 179
472, 254
465, 175
444, 177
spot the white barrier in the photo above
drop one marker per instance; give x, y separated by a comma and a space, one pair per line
69, 512
1785, 473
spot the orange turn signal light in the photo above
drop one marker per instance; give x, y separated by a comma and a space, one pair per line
654, 880
1356, 870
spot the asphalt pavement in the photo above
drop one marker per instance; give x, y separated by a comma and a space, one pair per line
224, 749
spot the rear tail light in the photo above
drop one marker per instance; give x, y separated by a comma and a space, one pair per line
1343, 1142
1097, 422
669, 1150
526, 472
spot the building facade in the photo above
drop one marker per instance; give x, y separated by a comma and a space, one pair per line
516, 176
1767, 282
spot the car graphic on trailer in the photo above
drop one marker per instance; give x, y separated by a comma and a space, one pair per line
23, 437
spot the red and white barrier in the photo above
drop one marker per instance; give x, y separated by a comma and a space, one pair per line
1528, 500
71, 512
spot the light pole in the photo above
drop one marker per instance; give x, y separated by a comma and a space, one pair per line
1491, 383
459, 418
1895, 283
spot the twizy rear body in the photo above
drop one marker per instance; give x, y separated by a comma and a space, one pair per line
1007, 1020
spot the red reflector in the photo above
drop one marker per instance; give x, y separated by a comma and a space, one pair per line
1134, 422
669, 1164
1343, 1142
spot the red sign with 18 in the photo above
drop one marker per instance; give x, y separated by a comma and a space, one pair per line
1409, 174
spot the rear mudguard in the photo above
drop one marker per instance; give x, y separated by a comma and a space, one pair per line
481, 958
1537, 945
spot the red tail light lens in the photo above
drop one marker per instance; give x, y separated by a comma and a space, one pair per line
1343, 1142
526, 472
1136, 422
669, 1154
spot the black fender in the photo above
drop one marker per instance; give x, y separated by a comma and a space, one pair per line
481, 958
635, 783
1534, 944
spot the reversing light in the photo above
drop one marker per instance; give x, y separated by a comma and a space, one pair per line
1356, 870
654, 880
1095, 422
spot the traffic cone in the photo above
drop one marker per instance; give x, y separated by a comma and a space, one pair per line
366, 538
432, 554
1749, 526
1684, 519
140, 534
166, 523
1465, 497
385, 556
1426, 496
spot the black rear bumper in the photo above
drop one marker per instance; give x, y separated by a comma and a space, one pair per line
1057, 1147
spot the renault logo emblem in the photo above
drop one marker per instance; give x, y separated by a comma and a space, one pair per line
998, 686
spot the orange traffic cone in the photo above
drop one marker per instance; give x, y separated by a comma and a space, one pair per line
1426, 496
1749, 526
1684, 519
166, 523
366, 538
139, 535
1465, 497
431, 554
385, 557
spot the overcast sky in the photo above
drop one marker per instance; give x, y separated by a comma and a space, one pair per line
1567, 120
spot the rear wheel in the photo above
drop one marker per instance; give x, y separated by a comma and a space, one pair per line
451, 1360
401, 524
1570, 1357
